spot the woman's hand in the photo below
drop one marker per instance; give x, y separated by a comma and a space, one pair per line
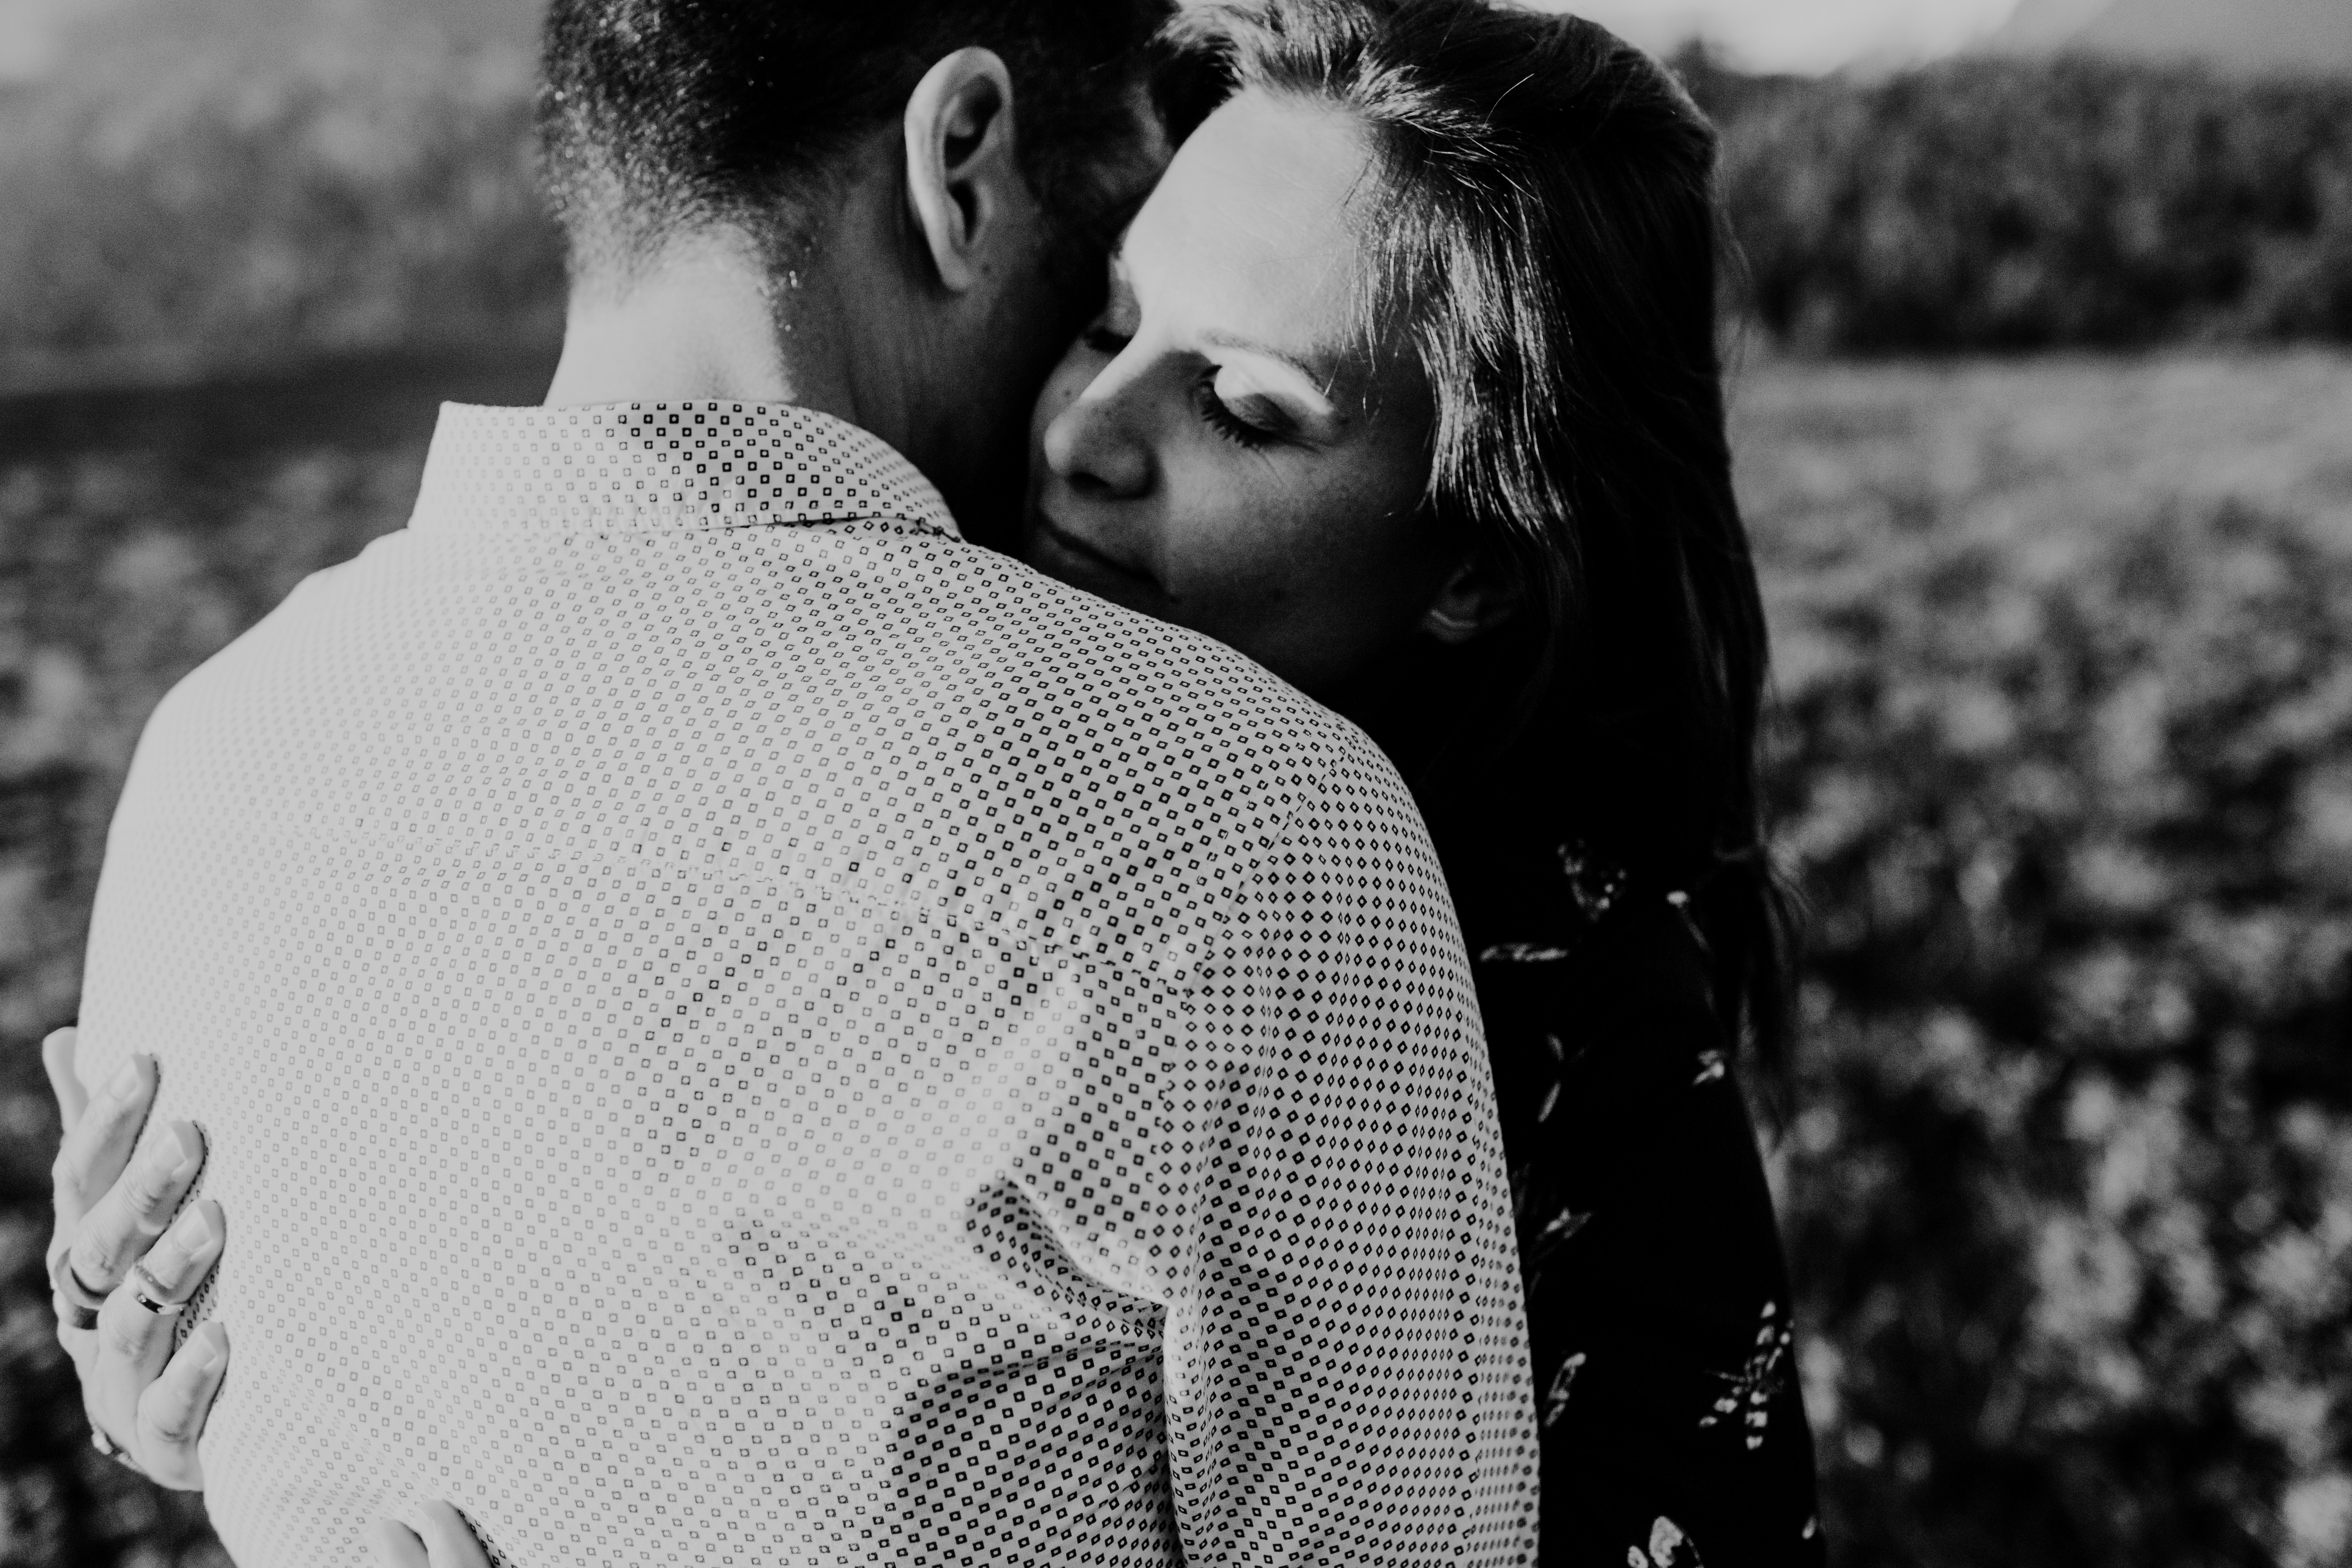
447, 1541
121, 1279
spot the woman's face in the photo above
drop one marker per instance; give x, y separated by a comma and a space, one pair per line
1223, 448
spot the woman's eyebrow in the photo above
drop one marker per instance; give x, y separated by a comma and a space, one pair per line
1321, 380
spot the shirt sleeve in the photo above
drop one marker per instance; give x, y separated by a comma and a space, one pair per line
1346, 1371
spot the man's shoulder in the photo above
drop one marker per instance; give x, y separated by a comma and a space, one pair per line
280, 650
1203, 710
948, 679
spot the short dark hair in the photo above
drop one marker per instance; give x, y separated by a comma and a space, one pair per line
658, 117
1543, 221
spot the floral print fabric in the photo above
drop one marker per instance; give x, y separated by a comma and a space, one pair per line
1673, 1434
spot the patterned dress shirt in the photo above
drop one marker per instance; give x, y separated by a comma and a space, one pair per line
737, 1027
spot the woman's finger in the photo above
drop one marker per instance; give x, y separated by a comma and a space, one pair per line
120, 1227
99, 1141
393, 1545
134, 1328
172, 1411
57, 1061
449, 1540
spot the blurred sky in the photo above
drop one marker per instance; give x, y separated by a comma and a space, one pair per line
1769, 35
31, 33
29, 36
1807, 36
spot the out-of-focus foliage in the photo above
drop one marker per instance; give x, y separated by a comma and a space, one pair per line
2008, 204
219, 185
2067, 683
2066, 777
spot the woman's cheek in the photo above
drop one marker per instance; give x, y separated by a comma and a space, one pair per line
1061, 389
1252, 549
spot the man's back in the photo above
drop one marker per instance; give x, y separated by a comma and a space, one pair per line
729, 1038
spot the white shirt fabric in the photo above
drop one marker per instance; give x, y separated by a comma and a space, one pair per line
737, 1027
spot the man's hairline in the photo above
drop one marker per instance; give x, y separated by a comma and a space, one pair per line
602, 258
632, 238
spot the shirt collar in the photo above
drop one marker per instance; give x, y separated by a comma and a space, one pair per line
649, 466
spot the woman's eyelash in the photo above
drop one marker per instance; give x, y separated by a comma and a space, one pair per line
1225, 421
1101, 338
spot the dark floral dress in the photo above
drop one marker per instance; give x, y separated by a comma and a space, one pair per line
1671, 1430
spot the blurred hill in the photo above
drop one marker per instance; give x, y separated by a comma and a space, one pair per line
2248, 37
195, 189
2034, 203
207, 185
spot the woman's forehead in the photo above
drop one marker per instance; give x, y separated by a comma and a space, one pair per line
1253, 233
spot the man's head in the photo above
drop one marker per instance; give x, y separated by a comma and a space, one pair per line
962, 163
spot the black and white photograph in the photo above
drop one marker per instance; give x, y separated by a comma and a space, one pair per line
1250, 783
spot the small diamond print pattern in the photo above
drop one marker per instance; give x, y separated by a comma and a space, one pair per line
732, 1044
660, 467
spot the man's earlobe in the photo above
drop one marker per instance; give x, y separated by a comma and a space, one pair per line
961, 174
1474, 602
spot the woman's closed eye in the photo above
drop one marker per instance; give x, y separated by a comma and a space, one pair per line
1240, 415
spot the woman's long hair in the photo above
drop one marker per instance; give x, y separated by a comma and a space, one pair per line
1544, 223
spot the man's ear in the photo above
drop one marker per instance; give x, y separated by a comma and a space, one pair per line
961, 177
1474, 602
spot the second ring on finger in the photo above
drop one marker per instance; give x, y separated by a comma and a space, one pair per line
160, 1285
120, 1229
135, 1338
76, 1301
162, 1281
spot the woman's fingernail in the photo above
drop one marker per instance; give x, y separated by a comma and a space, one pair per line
209, 1345
194, 1230
177, 1152
125, 1081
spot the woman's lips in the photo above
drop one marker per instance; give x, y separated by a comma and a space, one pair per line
1095, 571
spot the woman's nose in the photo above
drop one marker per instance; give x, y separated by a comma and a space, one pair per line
1093, 447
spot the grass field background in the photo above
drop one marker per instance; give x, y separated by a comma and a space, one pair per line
2064, 770
2066, 779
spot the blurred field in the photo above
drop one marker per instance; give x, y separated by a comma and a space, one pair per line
2067, 782
2066, 774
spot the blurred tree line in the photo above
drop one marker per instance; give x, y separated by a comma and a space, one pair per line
2009, 204
216, 183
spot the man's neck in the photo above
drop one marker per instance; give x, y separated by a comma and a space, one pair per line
708, 322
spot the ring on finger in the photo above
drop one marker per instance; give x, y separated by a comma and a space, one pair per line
148, 1292
113, 1450
80, 1302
